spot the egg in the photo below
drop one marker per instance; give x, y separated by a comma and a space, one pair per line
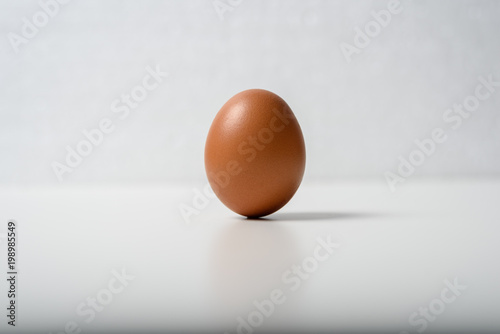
255, 153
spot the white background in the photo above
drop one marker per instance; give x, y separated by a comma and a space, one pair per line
121, 208
357, 117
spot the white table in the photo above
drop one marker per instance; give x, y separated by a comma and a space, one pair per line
395, 252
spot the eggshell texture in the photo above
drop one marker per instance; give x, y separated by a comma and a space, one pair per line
255, 153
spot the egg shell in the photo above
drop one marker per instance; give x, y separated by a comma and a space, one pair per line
255, 153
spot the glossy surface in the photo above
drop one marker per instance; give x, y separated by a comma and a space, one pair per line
255, 153
197, 273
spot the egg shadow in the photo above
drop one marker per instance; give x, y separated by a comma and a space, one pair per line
316, 216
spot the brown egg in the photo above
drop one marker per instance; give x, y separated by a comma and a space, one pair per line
255, 153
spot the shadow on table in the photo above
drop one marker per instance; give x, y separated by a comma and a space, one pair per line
306, 216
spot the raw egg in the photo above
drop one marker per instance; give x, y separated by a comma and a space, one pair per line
255, 154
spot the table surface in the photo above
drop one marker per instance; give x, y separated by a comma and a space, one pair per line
394, 253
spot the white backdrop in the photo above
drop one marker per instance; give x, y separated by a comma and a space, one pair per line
357, 116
